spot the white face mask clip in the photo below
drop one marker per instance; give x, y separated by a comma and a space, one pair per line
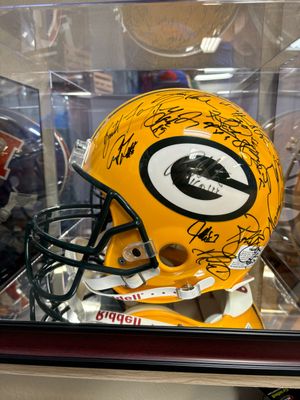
79, 152
139, 251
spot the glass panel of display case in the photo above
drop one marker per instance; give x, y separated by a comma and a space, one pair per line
22, 182
66, 67
144, 36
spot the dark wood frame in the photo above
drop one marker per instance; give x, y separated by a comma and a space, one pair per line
180, 349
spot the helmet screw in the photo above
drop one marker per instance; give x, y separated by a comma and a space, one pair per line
121, 261
187, 287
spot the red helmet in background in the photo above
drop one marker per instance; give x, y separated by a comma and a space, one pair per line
22, 186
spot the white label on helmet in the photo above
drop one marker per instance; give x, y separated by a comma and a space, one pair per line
246, 257
198, 178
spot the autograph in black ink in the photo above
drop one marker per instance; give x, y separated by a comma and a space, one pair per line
111, 131
122, 148
201, 231
217, 262
249, 235
162, 118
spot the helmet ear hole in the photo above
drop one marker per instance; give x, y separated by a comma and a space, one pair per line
173, 255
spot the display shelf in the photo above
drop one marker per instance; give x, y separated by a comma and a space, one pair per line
128, 375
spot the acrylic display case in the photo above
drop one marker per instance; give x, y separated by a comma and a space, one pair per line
64, 67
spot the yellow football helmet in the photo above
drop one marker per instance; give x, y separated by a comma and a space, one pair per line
191, 190
164, 316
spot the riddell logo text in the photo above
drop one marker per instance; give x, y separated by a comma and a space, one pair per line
135, 296
117, 318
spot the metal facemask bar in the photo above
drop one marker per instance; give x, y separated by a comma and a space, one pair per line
40, 240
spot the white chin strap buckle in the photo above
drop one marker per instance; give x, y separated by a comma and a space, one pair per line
191, 292
188, 292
